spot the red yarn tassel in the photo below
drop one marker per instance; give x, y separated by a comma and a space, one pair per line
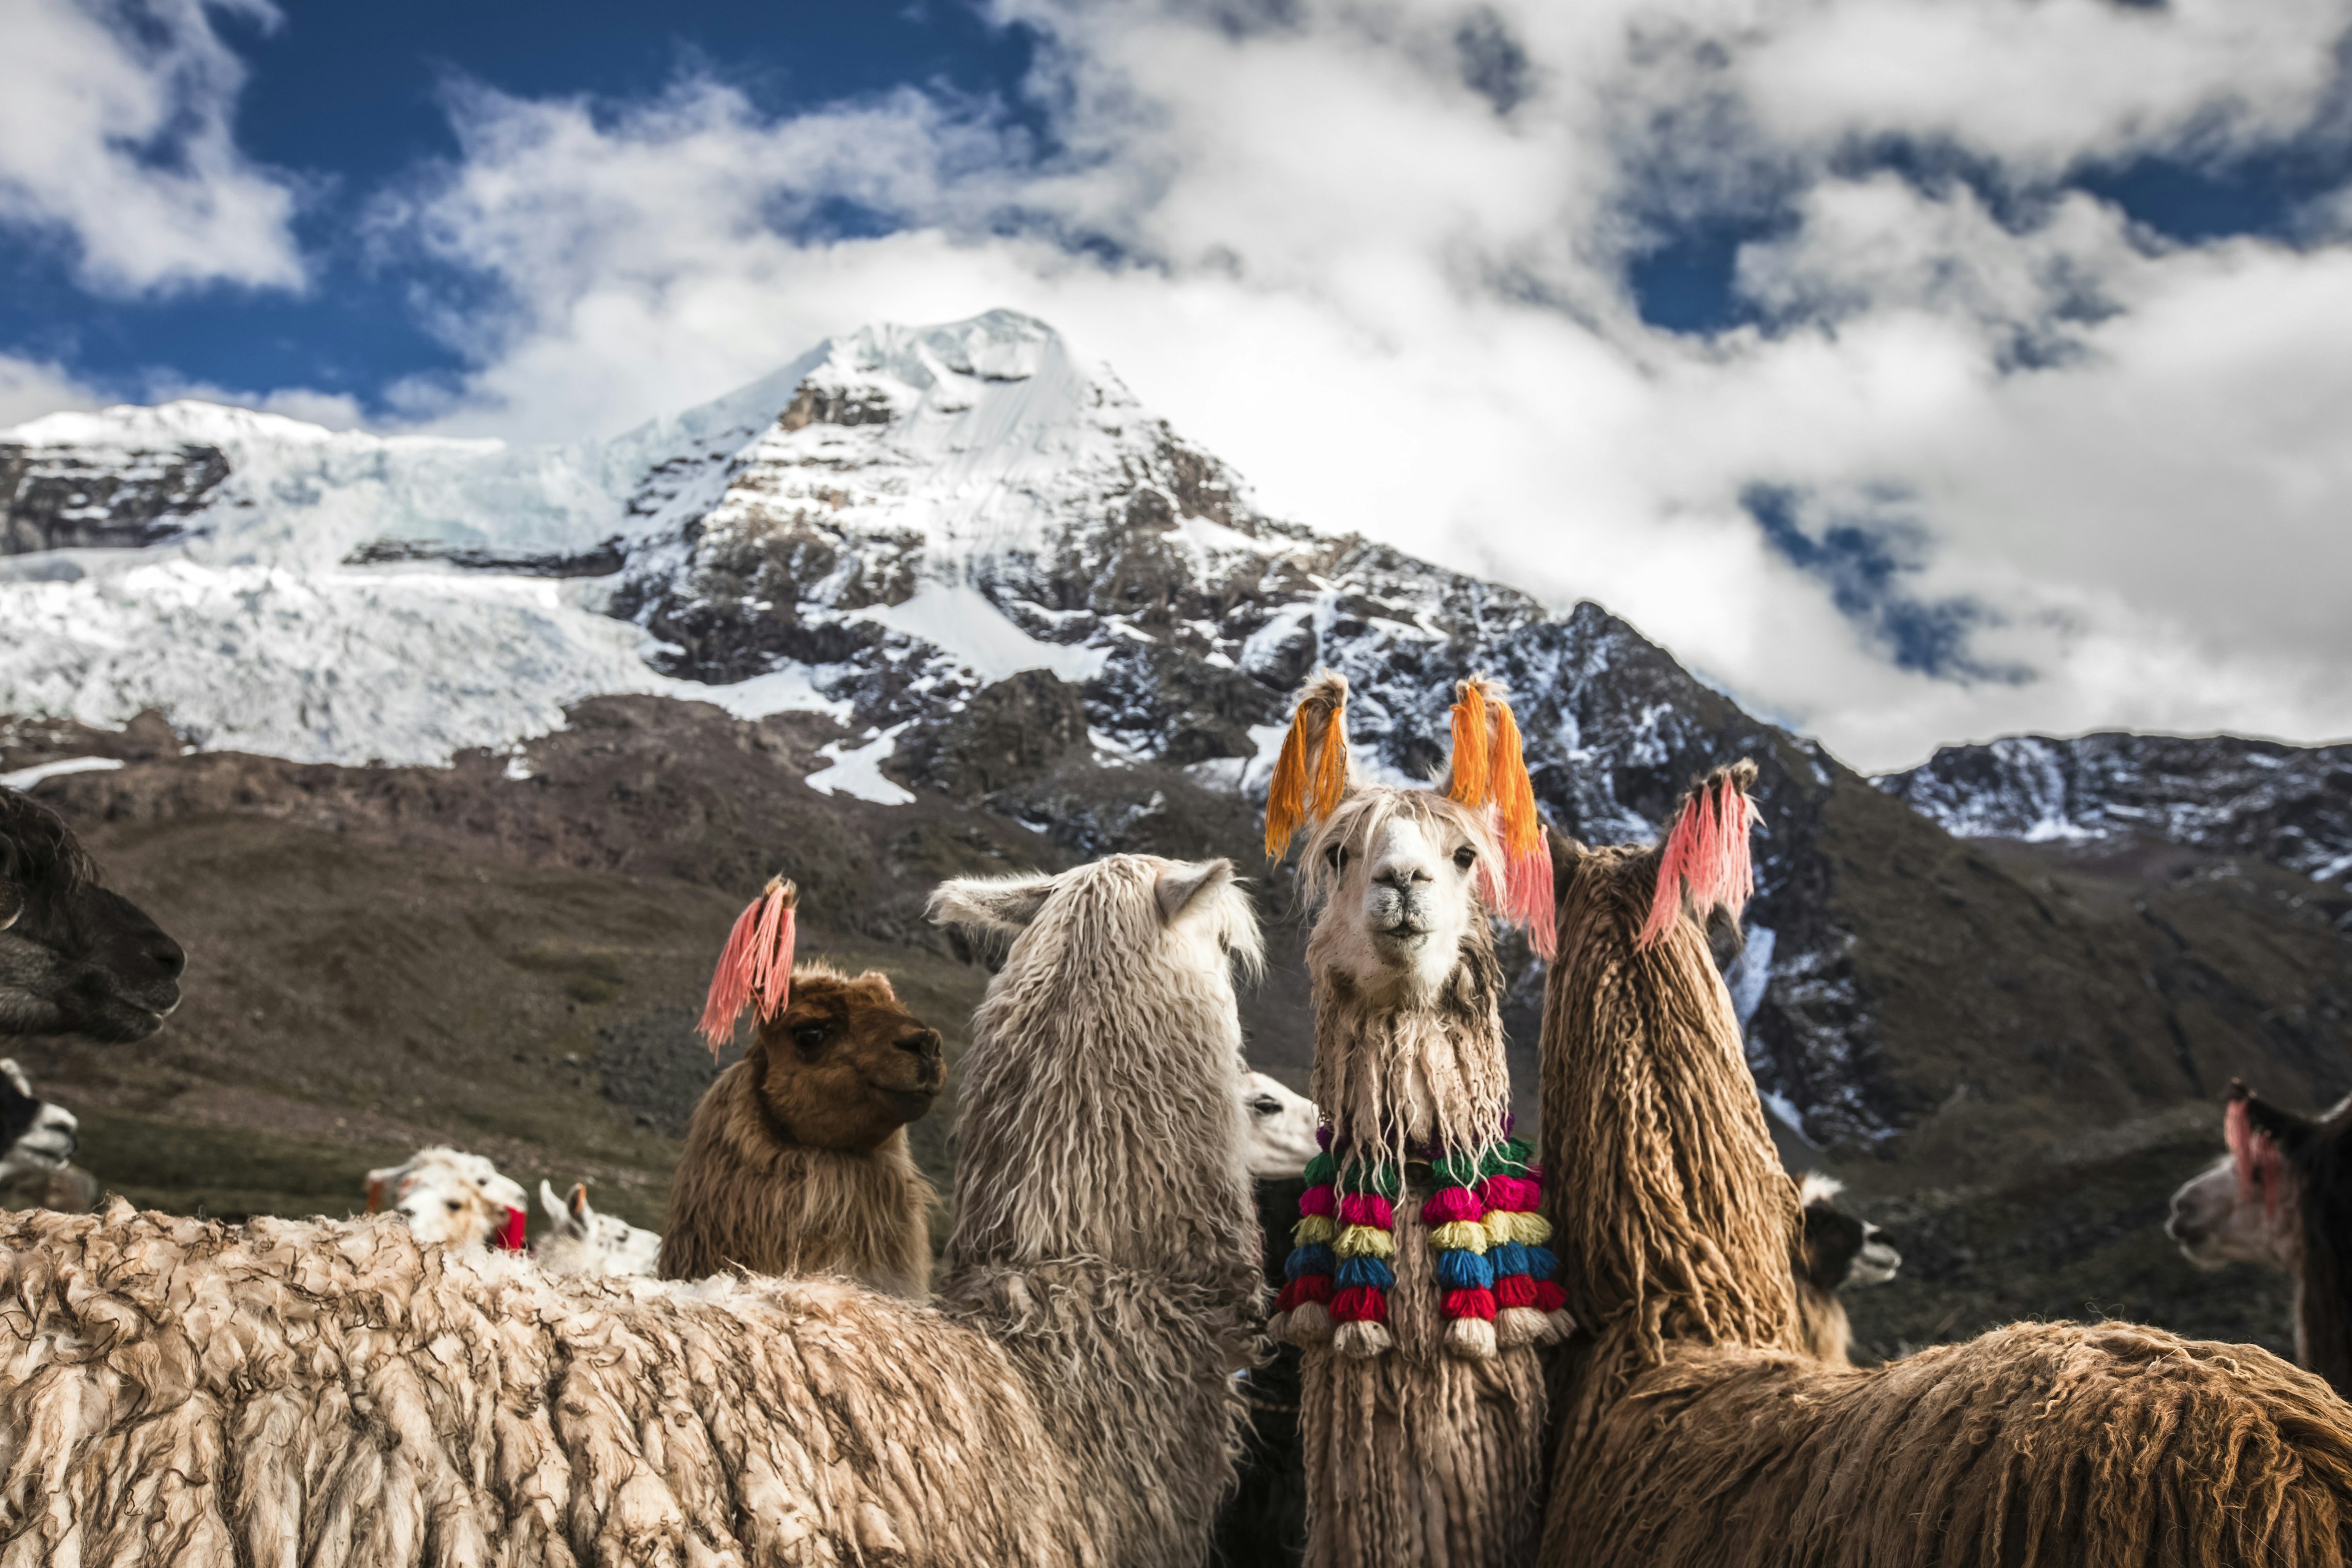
755, 966
2256, 1155
1705, 861
512, 1236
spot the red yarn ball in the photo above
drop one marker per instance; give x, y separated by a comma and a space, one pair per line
1360, 1304
1470, 1304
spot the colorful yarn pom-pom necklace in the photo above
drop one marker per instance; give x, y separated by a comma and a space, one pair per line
1494, 1272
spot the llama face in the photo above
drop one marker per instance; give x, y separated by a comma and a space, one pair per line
1281, 1128
844, 1066
1841, 1251
449, 1198
34, 1134
1398, 872
2217, 1222
74, 957
585, 1242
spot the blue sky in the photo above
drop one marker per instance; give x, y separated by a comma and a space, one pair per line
1923, 369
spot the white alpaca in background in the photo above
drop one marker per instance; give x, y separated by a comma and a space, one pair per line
586, 1242
1281, 1137
460, 1201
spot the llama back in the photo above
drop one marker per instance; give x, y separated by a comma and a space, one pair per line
334, 1392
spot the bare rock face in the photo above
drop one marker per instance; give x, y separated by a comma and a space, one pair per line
1008, 733
58, 498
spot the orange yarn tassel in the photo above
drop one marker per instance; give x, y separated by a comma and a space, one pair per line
755, 968
1470, 783
1332, 764
1705, 861
1293, 799
1490, 769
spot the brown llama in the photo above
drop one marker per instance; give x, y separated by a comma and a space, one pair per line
796, 1160
1836, 1251
1415, 1294
74, 958
334, 1392
1691, 1429
2282, 1195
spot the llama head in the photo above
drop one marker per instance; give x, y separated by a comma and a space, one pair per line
1280, 1129
453, 1199
582, 1241
1101, 1115
2249, 1206
845, 1065
34, 1134
74, 958
1841, 1251
1405, 879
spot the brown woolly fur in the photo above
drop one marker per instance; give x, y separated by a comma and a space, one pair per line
796, 1160
1693, 1432
332, 1393
1415, 1456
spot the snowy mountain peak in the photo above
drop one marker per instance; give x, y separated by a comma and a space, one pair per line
184, 421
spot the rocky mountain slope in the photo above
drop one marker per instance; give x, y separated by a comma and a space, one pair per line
955, 600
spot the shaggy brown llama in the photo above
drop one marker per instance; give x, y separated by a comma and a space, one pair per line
1691, 1431
1422, 1402
1836, 1251
796, 1160
2282, 1195
331, 1392
74, 958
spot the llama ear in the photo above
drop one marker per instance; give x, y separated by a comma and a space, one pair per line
1185, 883
990, 903
1310, 776
2284, 1127
550, 1202
578, 1203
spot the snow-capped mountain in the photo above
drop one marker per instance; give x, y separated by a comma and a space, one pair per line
929, 540
2289, 804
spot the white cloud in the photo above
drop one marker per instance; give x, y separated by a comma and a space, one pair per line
30, 389
115, 133
1393, 295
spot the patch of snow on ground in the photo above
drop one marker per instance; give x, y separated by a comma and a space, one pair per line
25, 778
1749, 972
958, 618
789, 689
859, 772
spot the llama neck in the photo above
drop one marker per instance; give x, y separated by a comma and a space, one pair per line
1672, 1218
1393, 1076
2322, 1293
1106, 1238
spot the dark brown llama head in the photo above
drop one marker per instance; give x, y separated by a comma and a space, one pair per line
845, 1065
74, 957
1841, 1251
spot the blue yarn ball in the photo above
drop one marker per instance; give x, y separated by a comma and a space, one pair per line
1316, 1258
1507, 1258
1540, 1262
1368, 1272
1460, 1269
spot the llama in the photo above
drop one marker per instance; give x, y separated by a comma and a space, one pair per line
74, 958
1692, 1431
2282, 1195
1281, 1126
335, 1391
36, 1140
452, 1200
1836, 1251
796, 1160
585, 1242
1419, 1287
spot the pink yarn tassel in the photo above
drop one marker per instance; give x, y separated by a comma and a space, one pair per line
1705, 861
2255, 1154
1531, 899
755, 966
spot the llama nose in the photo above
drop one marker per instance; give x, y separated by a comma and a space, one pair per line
1402, 877
924, 1042
167, 955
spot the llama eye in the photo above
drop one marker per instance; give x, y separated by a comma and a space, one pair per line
1337, 856
1466, 858
451, 1205
809, 1036
1266, 1108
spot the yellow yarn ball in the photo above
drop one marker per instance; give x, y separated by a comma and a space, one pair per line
1364, 1241
1465, 1235
1315, 1228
